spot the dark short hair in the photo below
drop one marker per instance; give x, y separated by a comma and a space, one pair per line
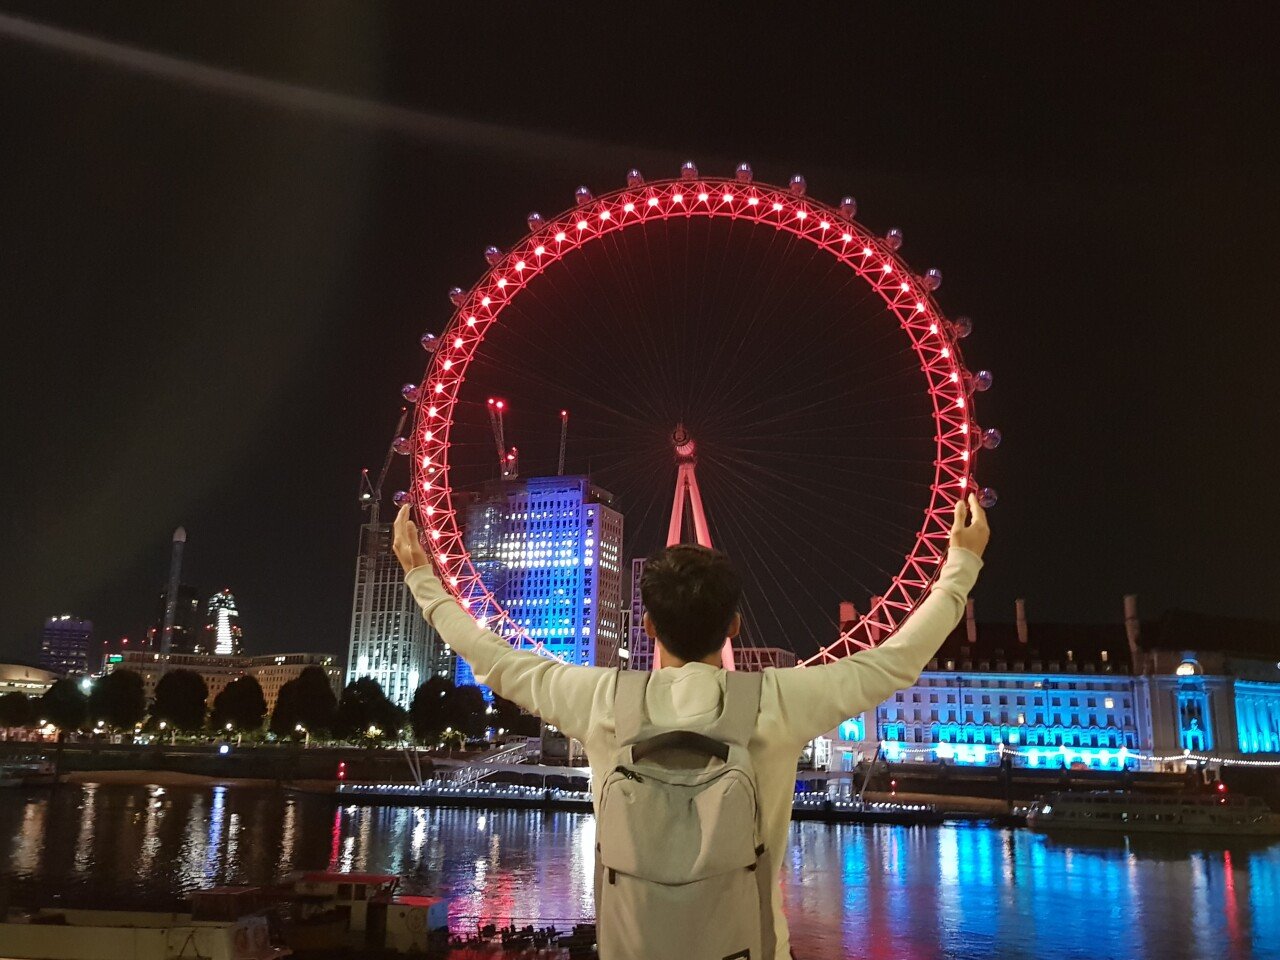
692, 593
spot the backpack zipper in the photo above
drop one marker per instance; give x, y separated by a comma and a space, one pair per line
629, 774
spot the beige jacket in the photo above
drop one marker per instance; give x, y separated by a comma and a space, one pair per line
796, 705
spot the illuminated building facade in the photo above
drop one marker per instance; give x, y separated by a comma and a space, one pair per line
222, 635
1103, 697
390, 639
64, 644
272, 671
550, 551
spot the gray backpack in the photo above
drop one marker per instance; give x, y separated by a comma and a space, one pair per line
681, 868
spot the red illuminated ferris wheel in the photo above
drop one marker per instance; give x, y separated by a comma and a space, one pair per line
700, 242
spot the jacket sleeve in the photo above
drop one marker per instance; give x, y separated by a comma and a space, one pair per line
813, 700
560, 694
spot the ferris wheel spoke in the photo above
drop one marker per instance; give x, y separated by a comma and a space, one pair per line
749, 494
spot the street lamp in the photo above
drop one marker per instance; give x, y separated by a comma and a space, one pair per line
307, 733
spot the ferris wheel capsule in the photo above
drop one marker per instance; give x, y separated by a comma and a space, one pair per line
798, 185
411, 392
457, 295
982, 381
634, 177
988, 497
932, 279
401, 497
962, 327
534, 220
493, 256
688, 170
743, 173
429, 342
849, 207
402, 446
893, 239
583, 195
991, 438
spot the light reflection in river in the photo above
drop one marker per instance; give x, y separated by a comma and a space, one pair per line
875, 892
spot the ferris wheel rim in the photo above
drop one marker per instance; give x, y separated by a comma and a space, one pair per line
783, 209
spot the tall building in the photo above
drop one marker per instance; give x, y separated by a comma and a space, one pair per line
64, 644
550, 550
638, 643
221, 630
186, 635
390, 639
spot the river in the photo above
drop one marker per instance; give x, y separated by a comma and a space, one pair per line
851, 891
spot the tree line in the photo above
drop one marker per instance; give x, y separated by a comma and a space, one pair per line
305, 707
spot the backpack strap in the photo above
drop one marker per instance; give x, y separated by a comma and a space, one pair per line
742, 704
628, 705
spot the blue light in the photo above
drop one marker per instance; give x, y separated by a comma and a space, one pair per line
853, 729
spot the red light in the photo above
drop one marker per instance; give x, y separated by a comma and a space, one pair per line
1222, 787
342, 770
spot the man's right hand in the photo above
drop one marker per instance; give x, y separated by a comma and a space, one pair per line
973, 537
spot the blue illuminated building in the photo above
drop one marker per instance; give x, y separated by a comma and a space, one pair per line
550, 551
1099, 696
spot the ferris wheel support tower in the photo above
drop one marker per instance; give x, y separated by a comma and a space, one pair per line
687, 490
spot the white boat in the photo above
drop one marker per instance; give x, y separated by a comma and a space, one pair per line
56, 934
1124, 811
35, 772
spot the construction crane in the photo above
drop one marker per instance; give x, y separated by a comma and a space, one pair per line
508, 459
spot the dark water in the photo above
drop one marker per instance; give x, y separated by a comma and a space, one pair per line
875, 892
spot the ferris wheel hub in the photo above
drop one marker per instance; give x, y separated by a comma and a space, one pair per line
683, 444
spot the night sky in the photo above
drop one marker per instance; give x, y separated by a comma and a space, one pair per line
213, 285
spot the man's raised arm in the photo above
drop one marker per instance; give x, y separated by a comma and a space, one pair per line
814, 700
561, 694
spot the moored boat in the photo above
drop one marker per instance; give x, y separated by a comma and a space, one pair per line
1126, 811
57, 934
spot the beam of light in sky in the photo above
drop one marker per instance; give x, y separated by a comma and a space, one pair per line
356, 111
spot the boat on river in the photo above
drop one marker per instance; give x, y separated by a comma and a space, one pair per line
58, 934
29, 772
1126, 811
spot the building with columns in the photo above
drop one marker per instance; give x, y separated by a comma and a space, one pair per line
1106, 696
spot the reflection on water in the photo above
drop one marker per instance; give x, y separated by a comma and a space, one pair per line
874, 892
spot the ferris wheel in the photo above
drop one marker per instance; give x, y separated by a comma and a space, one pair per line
832, 407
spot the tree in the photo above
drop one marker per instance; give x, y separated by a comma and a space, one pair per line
317, 704
65, 706
16, 710
428, 711
365, 708
306, 701
118, 700
181, 697
466, 710
240, 704
509, 717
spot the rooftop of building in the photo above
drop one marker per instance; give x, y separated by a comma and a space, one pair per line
1095, 648
1104, 647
